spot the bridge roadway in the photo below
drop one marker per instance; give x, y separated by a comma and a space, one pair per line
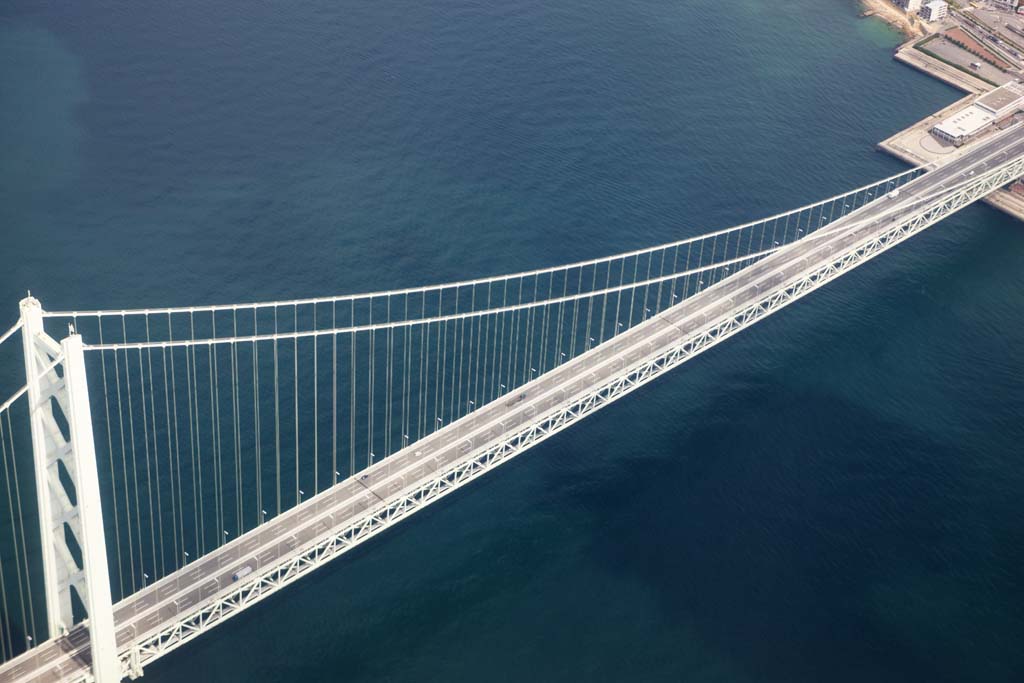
161, 603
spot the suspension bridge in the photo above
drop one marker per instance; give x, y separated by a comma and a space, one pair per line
165, 469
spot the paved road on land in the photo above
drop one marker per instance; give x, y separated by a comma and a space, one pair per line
161, 603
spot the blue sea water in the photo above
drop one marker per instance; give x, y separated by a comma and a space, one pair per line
833, 495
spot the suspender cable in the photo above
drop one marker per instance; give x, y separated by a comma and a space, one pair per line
661, 273
149, 473
110, 453
632, 295
316, 411
387, 392
6, 646
334, 396
618, 300
590, 313
421, 409
352, 405
124, 470
725, 253
370, 392
277, 421
647, 288
179, 521
604, 303
156, 456
700, 262
481, 395
236, 411
295, 402
544, 331
437, 366
256, 421
215, 441
499, 346
455, 331
528, 359
201, 527
750, 239
236, 436
561, 317
192, 449
443, 376
28, 621
407, 333
672, 285
469, 357
517, 325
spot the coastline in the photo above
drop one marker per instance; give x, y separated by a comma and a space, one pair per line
905, 144
894, 16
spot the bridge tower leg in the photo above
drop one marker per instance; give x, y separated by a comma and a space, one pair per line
69, 515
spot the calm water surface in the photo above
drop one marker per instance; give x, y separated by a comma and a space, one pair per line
834, 495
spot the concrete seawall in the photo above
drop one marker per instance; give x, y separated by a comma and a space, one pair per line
916, 146
940, 70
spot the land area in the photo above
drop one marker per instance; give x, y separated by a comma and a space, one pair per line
976, 49
983, 39
907, 24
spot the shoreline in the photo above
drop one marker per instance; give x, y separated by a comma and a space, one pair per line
900, 144
911, 27
948, 74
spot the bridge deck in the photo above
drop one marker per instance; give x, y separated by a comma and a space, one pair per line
202, 582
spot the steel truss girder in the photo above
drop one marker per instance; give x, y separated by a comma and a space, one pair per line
148, 647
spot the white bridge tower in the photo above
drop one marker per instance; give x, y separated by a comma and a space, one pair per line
67, 489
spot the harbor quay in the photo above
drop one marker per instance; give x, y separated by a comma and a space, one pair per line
980, 55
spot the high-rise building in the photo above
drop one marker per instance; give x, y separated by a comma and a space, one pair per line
935, 10
911, 5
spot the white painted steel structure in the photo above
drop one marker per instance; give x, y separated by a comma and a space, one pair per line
503, 364
67, 490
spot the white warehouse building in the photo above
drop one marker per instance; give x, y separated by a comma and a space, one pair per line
988, 109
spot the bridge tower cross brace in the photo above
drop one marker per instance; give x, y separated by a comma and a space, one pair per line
64, 453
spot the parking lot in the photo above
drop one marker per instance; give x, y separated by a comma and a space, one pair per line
944, 49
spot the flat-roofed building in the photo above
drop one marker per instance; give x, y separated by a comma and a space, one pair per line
988, 109
911, 5
1004, 100
935, 10
963, 125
